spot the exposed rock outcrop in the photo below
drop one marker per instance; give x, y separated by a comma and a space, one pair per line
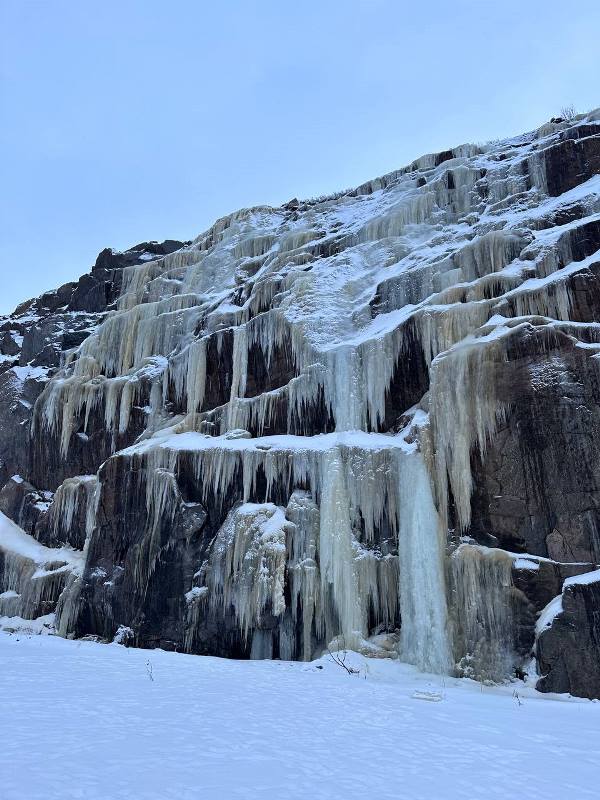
568, 644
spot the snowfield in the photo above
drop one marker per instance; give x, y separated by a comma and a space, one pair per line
89, 721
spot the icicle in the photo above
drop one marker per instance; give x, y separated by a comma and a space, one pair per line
128, 398
550, 299
413, 210
236, 411
483, 618
423, 634
67, 606
371, 478
247, 564
442, 327
489, 253
453, 188
336, 549
303, 570
262, 645
378, 585
343, 389
29, 590
66, 507
464, 412
196, 376
32, 576
138, 280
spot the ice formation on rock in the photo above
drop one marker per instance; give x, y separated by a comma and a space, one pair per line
484, 624
290, 415
32, 575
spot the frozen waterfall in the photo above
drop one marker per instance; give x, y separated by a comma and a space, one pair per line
267, 443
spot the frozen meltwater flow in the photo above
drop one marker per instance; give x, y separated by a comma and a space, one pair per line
84, 721
424, 639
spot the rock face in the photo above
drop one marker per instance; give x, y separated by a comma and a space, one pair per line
369, 420
568, 644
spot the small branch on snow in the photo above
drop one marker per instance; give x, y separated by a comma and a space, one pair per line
339, 658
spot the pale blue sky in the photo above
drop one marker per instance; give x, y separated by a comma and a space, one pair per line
142, 119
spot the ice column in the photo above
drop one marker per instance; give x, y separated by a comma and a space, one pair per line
423, 635
336, 549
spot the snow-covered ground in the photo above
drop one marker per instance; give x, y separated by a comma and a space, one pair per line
85, 720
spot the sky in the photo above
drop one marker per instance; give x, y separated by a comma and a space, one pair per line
132, 120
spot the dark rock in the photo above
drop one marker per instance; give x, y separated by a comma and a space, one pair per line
571, 162
528, 491
568, 652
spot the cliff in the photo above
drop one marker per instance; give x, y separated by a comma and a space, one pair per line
368, 420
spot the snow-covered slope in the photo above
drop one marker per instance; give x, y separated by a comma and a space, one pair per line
343, 420
91, 722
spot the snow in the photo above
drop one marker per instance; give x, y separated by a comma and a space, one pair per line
26, 627
532, 284
28, 373
555, 606
528, 560
579, 193
191, 441
586, 578
14, 540
90, 721
548, 614
196, 592
526, 563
